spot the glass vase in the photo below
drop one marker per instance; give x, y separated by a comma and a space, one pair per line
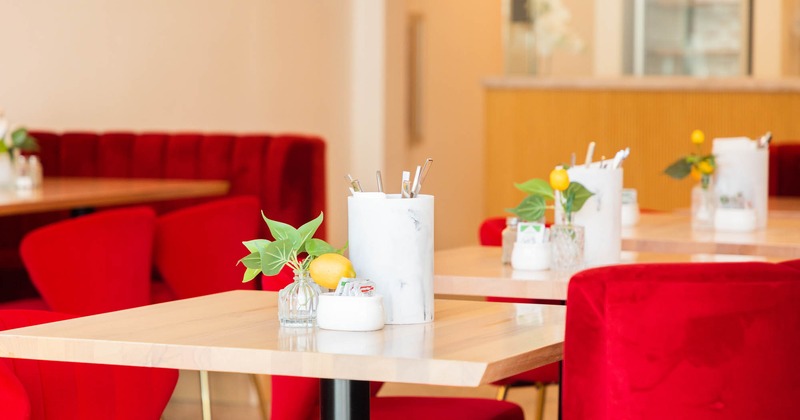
703, 207
566, 242
297, 302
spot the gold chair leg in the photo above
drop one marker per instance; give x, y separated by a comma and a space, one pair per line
502, 392
205, 395
541, 391
262, 390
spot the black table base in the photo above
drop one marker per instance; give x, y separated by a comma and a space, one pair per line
342, 399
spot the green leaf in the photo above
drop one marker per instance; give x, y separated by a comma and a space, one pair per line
250, 274
579, 193
275, 255
531, 208
679, 169
252, 260
21, 139
316, 247
282, 231
341, 250
255, 244
307, 231
536, 186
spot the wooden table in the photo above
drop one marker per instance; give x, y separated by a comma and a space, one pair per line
75, 193
672, 233
468, 344
477, 271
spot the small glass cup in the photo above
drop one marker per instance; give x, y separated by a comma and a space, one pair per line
567, 241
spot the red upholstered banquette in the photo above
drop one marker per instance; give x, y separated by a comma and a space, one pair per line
286, 173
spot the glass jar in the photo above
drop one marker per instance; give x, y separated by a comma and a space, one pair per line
703, 207
297, 302
566, 242
509, 238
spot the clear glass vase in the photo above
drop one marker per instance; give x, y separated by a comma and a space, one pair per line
703, 207
566, 242
297, 302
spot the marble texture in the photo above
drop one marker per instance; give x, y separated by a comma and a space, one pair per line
391, 243
601, 215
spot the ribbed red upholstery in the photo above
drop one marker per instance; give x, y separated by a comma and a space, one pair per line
95, 263
298, 398
77, 391
683, 341
196, 248
784, 169
285, 172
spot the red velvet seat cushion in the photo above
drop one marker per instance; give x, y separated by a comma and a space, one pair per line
65, 391
683, 341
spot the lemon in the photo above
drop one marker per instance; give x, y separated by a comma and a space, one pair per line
327, 269
698, 137
705, 167
559, 179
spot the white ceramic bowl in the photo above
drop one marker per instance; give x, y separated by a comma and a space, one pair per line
531, 256
735, 220
350, 313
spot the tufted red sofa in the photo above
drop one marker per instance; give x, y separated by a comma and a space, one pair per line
784, 169
286, 173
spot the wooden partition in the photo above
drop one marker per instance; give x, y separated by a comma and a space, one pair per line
535, 124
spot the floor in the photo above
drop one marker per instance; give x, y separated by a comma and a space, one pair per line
234, 397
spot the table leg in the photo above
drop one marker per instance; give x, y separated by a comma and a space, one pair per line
344, 399
205, 395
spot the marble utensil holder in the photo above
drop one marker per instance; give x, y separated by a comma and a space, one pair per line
743, 168
391, 243
601, 214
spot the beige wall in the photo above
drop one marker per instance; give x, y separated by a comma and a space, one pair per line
243, 66
462, 45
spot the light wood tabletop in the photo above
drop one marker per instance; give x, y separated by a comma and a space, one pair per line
477, 271
72, 193
468, 344
672, 233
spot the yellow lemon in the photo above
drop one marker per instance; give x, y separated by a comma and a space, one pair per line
327, 269
559, 179
705, 167
698, 137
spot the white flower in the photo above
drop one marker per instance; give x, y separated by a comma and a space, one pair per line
552, 27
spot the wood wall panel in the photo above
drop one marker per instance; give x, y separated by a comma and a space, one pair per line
528, 131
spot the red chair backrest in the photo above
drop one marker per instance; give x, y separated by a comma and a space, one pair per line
67, 391
784, 169
96, 263
490, 232
196, 248
682, 341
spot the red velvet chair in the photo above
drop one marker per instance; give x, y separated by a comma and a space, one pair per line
196, 248
40, 390
295, 398
96, 263
683, 341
